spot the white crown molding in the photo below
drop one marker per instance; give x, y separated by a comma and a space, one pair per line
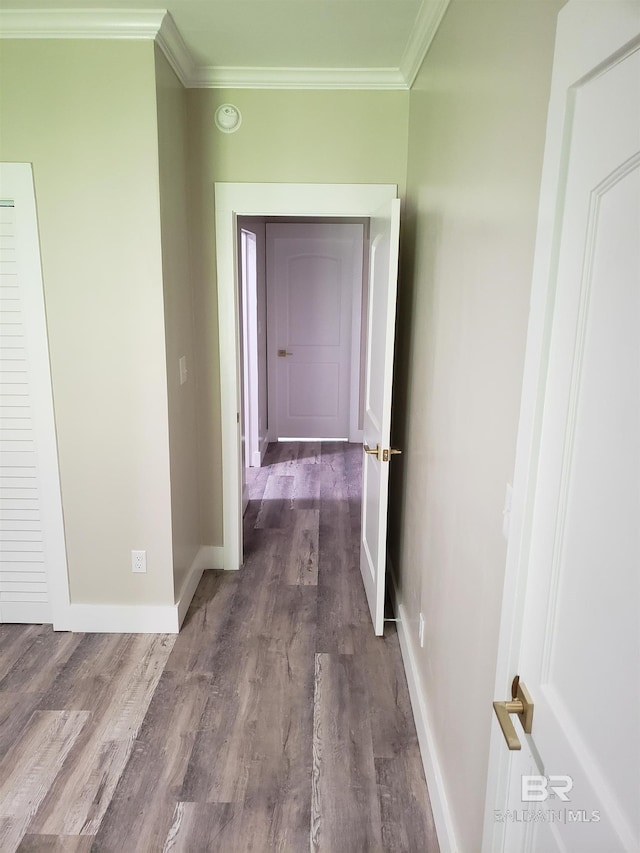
80, 23
158, 25
170, 41
427, 22
213, 77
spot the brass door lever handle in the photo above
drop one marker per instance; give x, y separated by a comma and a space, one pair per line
381, 454
520, 704
283, 353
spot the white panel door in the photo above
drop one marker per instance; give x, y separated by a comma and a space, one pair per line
33, 571
313, 272
579, 652
383, 282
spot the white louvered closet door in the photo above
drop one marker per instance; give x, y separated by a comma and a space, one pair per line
33, 570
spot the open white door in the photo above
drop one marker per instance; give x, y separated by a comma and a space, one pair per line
383, 282
572, 594
248, 354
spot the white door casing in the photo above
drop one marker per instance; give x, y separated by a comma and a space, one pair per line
245, 199
314, 283
572, 587
383, 281
33, 565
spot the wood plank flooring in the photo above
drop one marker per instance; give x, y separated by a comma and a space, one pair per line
275, 721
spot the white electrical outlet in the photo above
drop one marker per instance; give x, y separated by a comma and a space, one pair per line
182, 366
421, 630
138, 561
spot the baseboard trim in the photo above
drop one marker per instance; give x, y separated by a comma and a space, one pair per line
419, 706
210, 557
143, 618
123, 618
188, 588
257, 457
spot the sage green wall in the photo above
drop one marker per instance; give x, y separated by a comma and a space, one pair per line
476, 137
285, 136
84, 113
178, 312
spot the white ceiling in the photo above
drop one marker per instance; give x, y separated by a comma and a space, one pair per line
292, 43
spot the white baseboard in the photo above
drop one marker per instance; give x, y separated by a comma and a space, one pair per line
419, 706
210, 557
144, 618
123, 618
258, 455
188, 588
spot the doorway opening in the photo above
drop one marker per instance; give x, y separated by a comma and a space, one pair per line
259, 201
302, 296
378, 202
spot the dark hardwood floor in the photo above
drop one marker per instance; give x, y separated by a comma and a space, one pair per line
275, 721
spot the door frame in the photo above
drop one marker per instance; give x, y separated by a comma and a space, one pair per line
261, 199
577, 52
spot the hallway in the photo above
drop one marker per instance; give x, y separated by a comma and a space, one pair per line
275, 713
